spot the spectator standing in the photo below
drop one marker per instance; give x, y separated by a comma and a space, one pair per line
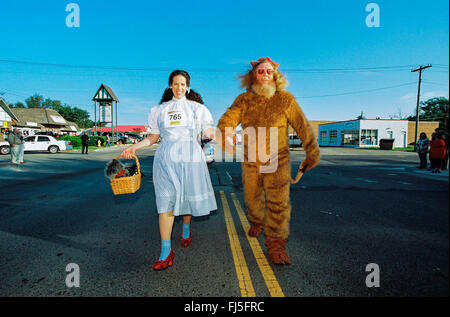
108, 141
437, 152
21, 148
444, 162
422, 149
14, 145
84, 143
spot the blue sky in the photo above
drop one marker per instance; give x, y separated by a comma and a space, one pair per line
215, 41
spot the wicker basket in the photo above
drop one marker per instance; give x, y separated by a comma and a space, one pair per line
127, 185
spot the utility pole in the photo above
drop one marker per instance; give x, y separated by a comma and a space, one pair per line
420, 69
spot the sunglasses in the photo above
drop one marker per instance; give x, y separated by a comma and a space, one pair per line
268, 71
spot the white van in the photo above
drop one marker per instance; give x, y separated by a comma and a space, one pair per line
294, 141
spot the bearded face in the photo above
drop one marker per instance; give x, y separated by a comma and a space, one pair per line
264, 73
264, 84
264, 79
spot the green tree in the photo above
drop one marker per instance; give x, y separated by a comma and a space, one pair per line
79, 116
434, 109
34, 101
73, 114
51, 104
18, 104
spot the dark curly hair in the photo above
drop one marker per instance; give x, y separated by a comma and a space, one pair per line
192, 95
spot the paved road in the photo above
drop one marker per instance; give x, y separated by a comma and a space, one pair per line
357, 207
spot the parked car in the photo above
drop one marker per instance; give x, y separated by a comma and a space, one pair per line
46, 143
4, 148
134, 138
42, 143
121, 139
294, 141
39, 143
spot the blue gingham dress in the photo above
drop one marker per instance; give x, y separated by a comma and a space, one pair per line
180, 174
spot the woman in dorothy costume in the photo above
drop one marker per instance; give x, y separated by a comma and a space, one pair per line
180, 174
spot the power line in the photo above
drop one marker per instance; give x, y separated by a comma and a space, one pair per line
324, 70
355, 69
80, 66
356, 92
434, 83
152, 69
303, 97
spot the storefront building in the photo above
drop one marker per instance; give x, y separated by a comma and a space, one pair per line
39, 120
7, 119
363, 133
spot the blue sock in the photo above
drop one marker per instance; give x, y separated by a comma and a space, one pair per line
165, 249
186, 231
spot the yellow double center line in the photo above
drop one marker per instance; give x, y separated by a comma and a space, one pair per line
243, 275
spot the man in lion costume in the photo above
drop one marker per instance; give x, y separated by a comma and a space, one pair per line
266, 105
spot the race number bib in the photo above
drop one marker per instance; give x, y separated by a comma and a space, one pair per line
175, 118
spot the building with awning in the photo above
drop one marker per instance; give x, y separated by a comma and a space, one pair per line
5, 112
33, 120
7, 118
71, 128
136, 129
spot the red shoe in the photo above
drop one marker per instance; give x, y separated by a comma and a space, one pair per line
186, 242
164, 264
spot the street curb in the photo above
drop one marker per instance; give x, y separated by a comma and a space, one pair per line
444, 175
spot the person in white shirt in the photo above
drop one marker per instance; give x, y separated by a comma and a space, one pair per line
180, 173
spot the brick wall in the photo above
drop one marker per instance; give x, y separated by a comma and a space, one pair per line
424, 126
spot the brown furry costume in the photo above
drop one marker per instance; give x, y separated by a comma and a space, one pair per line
257, 108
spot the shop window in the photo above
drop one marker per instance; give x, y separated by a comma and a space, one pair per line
369, 137
323, 137
333, 136
349, 137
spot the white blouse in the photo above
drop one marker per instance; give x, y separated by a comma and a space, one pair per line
178, 117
